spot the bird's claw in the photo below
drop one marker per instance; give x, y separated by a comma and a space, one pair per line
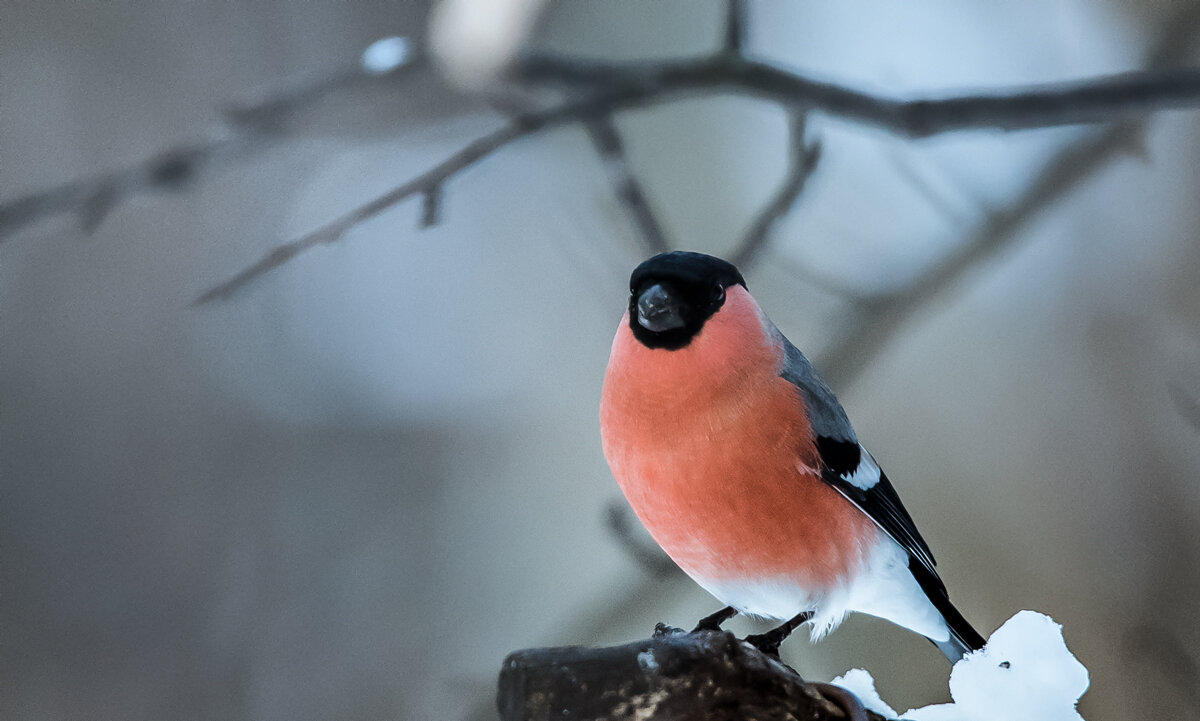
767, 643
713, 622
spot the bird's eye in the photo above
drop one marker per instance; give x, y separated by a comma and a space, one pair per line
718, 294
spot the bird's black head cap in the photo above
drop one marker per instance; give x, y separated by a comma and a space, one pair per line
673, 294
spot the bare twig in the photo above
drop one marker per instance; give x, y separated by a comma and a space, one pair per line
431, 207
607, 140
804, 157
879, 318
247, 128
425, 183
612, 88
621, 86
650, 558
876, 320
735, 28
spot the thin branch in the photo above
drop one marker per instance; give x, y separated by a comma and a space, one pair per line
1094, 100
248, 127
431, 207
607, 140
735, 28
879, 319
435, 177
804, 158
615, 87
650, 558
624, 86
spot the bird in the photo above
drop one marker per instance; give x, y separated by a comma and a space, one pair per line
743, 466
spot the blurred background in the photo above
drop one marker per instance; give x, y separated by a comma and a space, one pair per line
351, 489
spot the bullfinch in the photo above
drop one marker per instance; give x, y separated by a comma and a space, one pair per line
743, 466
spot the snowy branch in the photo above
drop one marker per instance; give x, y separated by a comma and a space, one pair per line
1024, 672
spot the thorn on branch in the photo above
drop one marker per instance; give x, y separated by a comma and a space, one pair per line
97, 206
519, 127
735, 28
431, 206
172, 169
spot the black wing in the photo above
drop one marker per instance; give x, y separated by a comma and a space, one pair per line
851, 470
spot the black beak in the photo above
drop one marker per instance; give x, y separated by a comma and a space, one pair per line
658, 310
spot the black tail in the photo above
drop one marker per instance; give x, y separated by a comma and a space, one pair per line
963, 637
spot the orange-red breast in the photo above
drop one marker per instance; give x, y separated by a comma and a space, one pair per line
743, 466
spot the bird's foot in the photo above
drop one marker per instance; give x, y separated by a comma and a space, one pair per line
769, 642
713, 622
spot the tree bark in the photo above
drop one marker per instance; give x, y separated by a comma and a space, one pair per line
672, 675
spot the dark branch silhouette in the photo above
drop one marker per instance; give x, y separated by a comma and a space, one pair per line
613, 87
597, 91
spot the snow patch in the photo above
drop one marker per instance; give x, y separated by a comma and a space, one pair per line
647, 661
1024, 673
860, 683
385, 55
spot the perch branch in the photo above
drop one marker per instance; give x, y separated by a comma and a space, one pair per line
672, 676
